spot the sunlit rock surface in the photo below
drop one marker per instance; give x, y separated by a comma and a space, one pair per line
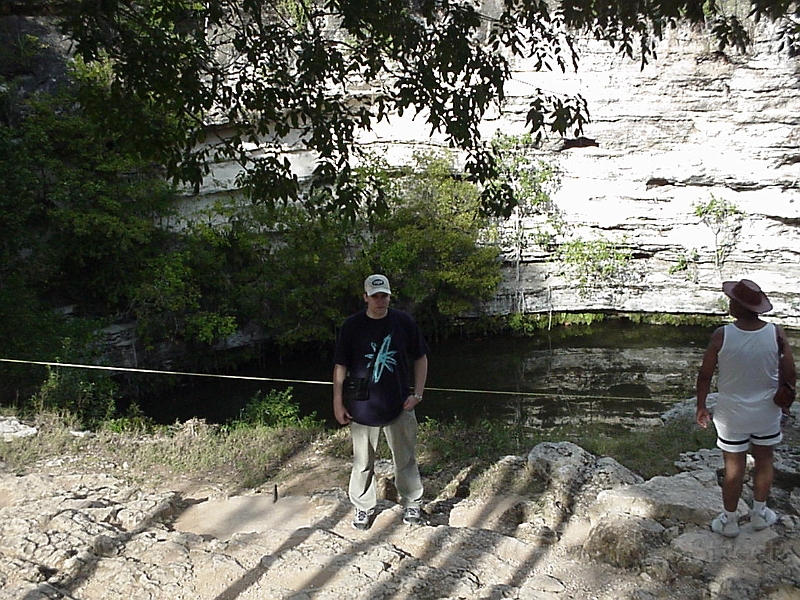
559, 523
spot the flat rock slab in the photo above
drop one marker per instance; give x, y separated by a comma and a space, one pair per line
687, 497
748, 547
223, 518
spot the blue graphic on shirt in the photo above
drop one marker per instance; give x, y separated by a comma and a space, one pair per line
381, 359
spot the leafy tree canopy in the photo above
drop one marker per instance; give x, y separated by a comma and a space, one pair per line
315, 73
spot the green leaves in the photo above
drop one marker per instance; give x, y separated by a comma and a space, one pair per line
77, 200
724, 219
595, 263
162, 302
281, 73
267, 75
430, 244
729, 31
560, 114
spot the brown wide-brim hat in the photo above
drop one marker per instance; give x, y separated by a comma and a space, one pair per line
748, 294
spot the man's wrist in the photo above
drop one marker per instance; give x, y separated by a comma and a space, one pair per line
417, 396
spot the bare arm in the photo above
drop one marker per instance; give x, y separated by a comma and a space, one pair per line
339, 409
707, 368
786, 360
420, 377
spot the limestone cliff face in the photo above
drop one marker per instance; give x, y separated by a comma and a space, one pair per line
693, 127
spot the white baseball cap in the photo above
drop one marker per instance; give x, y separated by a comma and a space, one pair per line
375, 284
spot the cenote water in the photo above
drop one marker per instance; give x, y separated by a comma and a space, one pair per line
616, 373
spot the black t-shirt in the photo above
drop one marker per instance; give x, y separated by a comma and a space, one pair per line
381, 349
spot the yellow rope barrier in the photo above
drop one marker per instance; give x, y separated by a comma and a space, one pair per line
312, 382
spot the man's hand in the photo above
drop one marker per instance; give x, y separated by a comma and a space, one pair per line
341, 414
411, 402
339, 411
703, 417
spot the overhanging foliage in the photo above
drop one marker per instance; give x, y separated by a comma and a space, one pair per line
314, 74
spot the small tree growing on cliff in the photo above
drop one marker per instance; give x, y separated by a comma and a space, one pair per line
595, 263
724, 219
536, 220
688, 265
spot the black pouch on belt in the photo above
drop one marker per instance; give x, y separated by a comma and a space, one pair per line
356, 388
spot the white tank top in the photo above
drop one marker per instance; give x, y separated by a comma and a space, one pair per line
748, 376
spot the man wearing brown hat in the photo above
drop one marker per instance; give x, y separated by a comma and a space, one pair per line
747, 352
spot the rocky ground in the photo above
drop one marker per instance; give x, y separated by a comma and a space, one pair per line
556, 524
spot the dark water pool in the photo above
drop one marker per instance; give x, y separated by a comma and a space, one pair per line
614, 372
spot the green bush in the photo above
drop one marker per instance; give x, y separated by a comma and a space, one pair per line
134, 421
89, 396
595, 263
430, 245
275, 409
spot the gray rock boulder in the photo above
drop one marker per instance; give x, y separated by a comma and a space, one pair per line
574, 478
11, 428
624, 542
685, 498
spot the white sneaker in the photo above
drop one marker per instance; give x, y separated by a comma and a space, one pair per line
762, 519
412, 515
362, 519
723, 526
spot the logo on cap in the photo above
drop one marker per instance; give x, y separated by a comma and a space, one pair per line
376, 283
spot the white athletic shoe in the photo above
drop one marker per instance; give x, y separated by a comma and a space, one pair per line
762, 519
412, 515
723, 526
362, 519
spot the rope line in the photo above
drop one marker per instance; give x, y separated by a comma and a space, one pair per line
305, 381
156, 371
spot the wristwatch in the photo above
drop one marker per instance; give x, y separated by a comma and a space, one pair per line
418, 397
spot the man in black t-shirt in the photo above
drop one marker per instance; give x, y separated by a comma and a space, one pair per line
376, 352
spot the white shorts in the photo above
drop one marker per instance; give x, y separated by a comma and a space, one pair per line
730, 440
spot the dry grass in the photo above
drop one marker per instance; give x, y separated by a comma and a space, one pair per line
234, 459
246, 457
